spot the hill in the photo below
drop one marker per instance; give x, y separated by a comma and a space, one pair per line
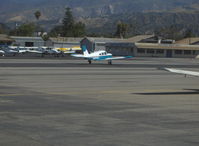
147, 23
23, 10
101, 16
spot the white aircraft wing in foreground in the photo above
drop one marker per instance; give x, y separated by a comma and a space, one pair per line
98, 56
184, 72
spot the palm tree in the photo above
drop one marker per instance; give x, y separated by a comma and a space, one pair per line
37, 14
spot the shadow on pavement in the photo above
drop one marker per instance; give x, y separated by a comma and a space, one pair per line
186, 92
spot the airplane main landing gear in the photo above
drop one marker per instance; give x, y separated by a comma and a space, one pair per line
89, 61
110, 62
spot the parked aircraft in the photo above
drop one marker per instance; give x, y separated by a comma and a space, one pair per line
10, 51
19, 49
98, 56
184, 72
35, 50
65, 50
50, 51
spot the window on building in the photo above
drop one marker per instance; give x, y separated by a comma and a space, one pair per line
150, 51
159, 51
194, 52
29, 44
178, 51
187, 52
140, 50
100, 44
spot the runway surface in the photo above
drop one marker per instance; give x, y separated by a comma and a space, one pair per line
58, 102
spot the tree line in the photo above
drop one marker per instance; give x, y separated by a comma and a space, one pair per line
68, 28
72, 28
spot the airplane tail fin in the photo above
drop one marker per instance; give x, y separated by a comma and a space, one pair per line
85, 51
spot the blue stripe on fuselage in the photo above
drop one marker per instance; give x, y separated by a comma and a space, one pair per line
101, 57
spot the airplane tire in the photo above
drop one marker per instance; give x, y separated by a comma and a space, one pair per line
110, 62
89, 61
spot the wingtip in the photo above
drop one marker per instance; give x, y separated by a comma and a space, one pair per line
167, 69
164, 68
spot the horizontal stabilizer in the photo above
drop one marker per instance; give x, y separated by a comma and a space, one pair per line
78, 55
117, 58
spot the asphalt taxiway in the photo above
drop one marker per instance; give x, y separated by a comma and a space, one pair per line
58, 102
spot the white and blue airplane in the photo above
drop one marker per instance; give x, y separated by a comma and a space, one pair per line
98, 56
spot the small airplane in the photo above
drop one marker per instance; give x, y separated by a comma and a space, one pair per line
10, 51
65, 50
19, 49
98, 56
34, 50
184, 72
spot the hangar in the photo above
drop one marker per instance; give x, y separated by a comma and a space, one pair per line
28, 41
116, 46
63, 42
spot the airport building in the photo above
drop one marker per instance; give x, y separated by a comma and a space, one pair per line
28, 41
118, 47
63, 42
166, 50
145, 46
185, 48
121, 48
139, 46
126, 47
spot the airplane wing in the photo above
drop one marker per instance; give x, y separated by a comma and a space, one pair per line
117, 58
185, 72
78, 55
